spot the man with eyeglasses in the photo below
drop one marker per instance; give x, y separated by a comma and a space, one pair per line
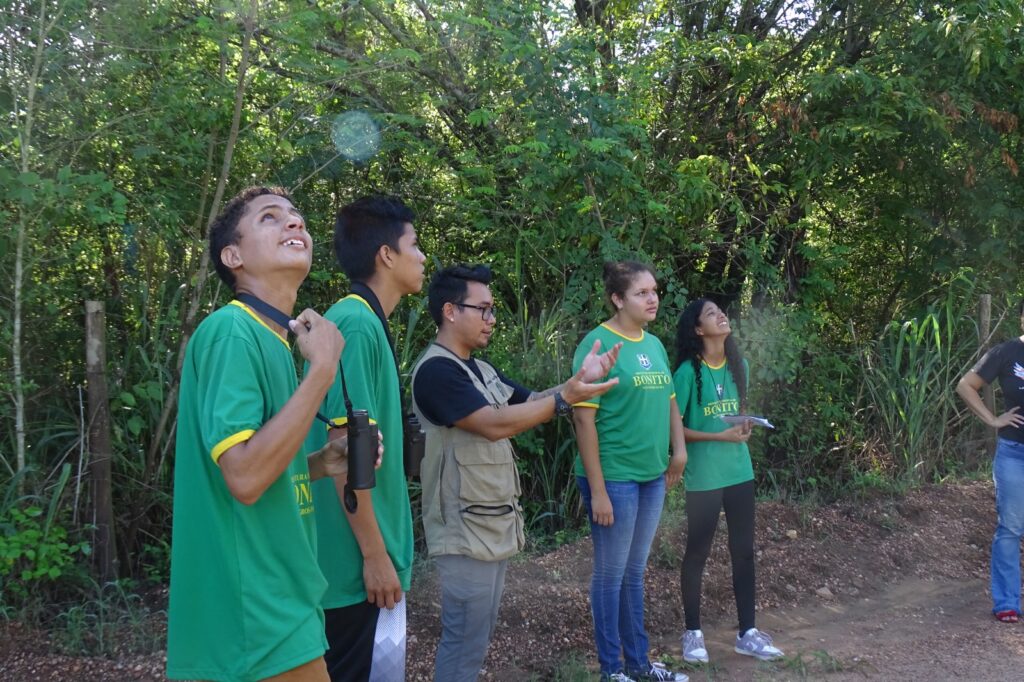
469, 410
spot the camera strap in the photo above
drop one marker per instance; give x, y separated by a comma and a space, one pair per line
364, 292
282, 319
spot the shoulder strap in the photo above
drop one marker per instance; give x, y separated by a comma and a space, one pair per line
438, 350
284, 320
366, 293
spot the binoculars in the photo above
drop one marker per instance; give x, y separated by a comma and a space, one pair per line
362, 451
413, 444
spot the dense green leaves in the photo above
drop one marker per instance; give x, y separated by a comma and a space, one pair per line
821, 168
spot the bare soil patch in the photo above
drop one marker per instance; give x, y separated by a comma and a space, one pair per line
880, 588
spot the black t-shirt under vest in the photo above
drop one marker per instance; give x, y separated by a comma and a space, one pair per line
1006, 363
446, 394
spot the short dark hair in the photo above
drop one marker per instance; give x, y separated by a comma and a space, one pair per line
364, 226
224, 230
450, 285
619, 275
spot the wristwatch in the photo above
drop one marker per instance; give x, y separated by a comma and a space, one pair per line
562, 408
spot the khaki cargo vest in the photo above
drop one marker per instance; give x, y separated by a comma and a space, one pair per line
470, 485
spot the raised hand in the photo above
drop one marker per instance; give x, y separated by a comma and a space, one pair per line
319, 340
577, 390
596, 366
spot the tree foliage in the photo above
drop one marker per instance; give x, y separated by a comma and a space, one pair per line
822, 169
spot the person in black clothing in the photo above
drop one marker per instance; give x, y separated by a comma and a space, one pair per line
1005, 362
469, 410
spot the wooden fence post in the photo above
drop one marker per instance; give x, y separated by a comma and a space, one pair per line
99, 440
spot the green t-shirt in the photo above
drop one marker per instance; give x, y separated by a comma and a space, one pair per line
633, 417
245, 587
711, 464
373, 386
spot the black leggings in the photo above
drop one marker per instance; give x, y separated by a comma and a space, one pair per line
702, 508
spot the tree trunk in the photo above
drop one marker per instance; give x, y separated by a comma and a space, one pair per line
99, 440
25, 143
196, 294
987, 394
19, 375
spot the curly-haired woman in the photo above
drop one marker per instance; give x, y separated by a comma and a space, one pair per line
711, 382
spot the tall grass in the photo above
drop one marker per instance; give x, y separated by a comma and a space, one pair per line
110, 620
909, 377
536, 349
855, 414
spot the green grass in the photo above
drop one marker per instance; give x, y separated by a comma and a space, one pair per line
111, 621
811, 665
572, 670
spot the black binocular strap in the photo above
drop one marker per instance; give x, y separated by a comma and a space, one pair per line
281, 318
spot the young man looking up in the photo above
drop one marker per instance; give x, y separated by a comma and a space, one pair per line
470, 410
367, 555
245, 588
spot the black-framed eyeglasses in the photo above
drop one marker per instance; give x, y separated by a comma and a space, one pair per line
486, 311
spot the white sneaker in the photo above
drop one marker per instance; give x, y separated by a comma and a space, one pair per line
618, 677
694, 650
755, 643
660, 673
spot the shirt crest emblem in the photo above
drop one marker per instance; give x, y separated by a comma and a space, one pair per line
644, 361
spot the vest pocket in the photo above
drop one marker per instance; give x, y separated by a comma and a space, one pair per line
491, 536
487, 490
488, 510
487, 476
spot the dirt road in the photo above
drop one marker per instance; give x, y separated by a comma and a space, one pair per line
884, 588
913, 630
879, 588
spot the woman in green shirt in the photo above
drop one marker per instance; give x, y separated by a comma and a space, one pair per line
711, 382
623, 467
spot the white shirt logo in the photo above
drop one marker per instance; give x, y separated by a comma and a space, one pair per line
644, 361
1018, 371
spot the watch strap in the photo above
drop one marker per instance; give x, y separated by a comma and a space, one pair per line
562, 408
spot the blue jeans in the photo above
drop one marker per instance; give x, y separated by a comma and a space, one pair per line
620, 557
1008, 474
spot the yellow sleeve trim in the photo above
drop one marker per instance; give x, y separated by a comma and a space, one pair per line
672, 397
230, 442
593, 405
